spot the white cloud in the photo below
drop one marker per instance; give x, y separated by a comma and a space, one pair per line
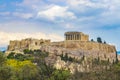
57, 1
89, 3
18, 26
23, 15
32, 4
5, 37
55, 12
29, 3
111, 15
69, 26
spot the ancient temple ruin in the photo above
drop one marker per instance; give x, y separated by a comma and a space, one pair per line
76, 36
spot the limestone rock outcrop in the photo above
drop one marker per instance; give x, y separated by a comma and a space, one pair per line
72, 66
79, 49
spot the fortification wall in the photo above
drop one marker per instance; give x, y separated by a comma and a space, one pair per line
87, 45
26, 44
71, 45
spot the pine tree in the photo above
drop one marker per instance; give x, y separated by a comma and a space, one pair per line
99, 40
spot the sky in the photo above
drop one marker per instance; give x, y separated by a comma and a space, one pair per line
50, 19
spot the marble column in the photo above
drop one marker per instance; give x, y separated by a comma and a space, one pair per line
66, 37
73, 37
79, 37
76, 37
70, 37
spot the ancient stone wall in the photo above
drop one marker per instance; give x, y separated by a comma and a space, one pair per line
83, 45
26, 44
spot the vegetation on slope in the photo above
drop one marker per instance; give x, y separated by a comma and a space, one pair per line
29, 67
32, 66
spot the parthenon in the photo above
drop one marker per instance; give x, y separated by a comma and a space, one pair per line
76, 36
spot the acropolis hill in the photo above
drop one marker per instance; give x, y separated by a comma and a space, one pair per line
76, 44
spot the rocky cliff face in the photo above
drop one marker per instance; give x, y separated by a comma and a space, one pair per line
72, 66
90, 50
78, 49
85, 65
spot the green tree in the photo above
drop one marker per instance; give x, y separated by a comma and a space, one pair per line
70, 59
27, 51
2, 59
83, 57
11, 55
6, 73
29, 72
20, 57
99, 40
64, 57
105, 42
60, 75
92, 40
23, 70
96, 61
